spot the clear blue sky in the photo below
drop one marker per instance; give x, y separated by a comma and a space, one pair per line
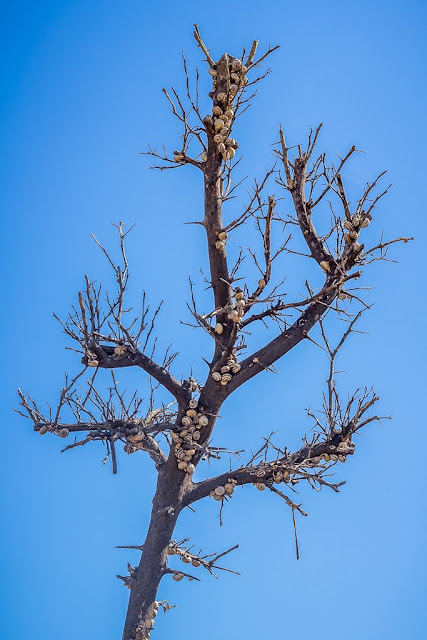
81, 98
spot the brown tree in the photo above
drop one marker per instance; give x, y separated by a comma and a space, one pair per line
177, 435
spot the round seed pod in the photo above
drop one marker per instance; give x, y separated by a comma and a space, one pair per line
182, 465
219, 491
229, 488
325, 265
196, 435
219, 328
191, 413
217, 111
220, 245
195, 563
139, 437
221, 97
233, 315
43, 429
63, 433
178, 576
260, 486
216, 376
186, 421
203, 421
120, 349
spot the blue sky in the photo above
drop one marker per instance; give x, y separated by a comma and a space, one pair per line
81, 85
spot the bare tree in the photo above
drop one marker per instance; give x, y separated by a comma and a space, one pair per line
324, 226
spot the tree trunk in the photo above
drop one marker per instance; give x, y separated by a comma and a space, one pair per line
146, 578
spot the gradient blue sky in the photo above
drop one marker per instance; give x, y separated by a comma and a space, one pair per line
81, 85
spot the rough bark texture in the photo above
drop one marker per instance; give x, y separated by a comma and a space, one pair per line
167, 504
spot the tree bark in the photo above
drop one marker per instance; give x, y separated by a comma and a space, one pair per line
167, 504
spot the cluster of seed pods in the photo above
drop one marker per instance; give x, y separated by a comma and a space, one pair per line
141, 632
236, 311
134, 441
184, 556
340, 454
354, 226
222, 492
48, 428
186, 440
92, 359
223, 109
280, 473
222, 239
225, 374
